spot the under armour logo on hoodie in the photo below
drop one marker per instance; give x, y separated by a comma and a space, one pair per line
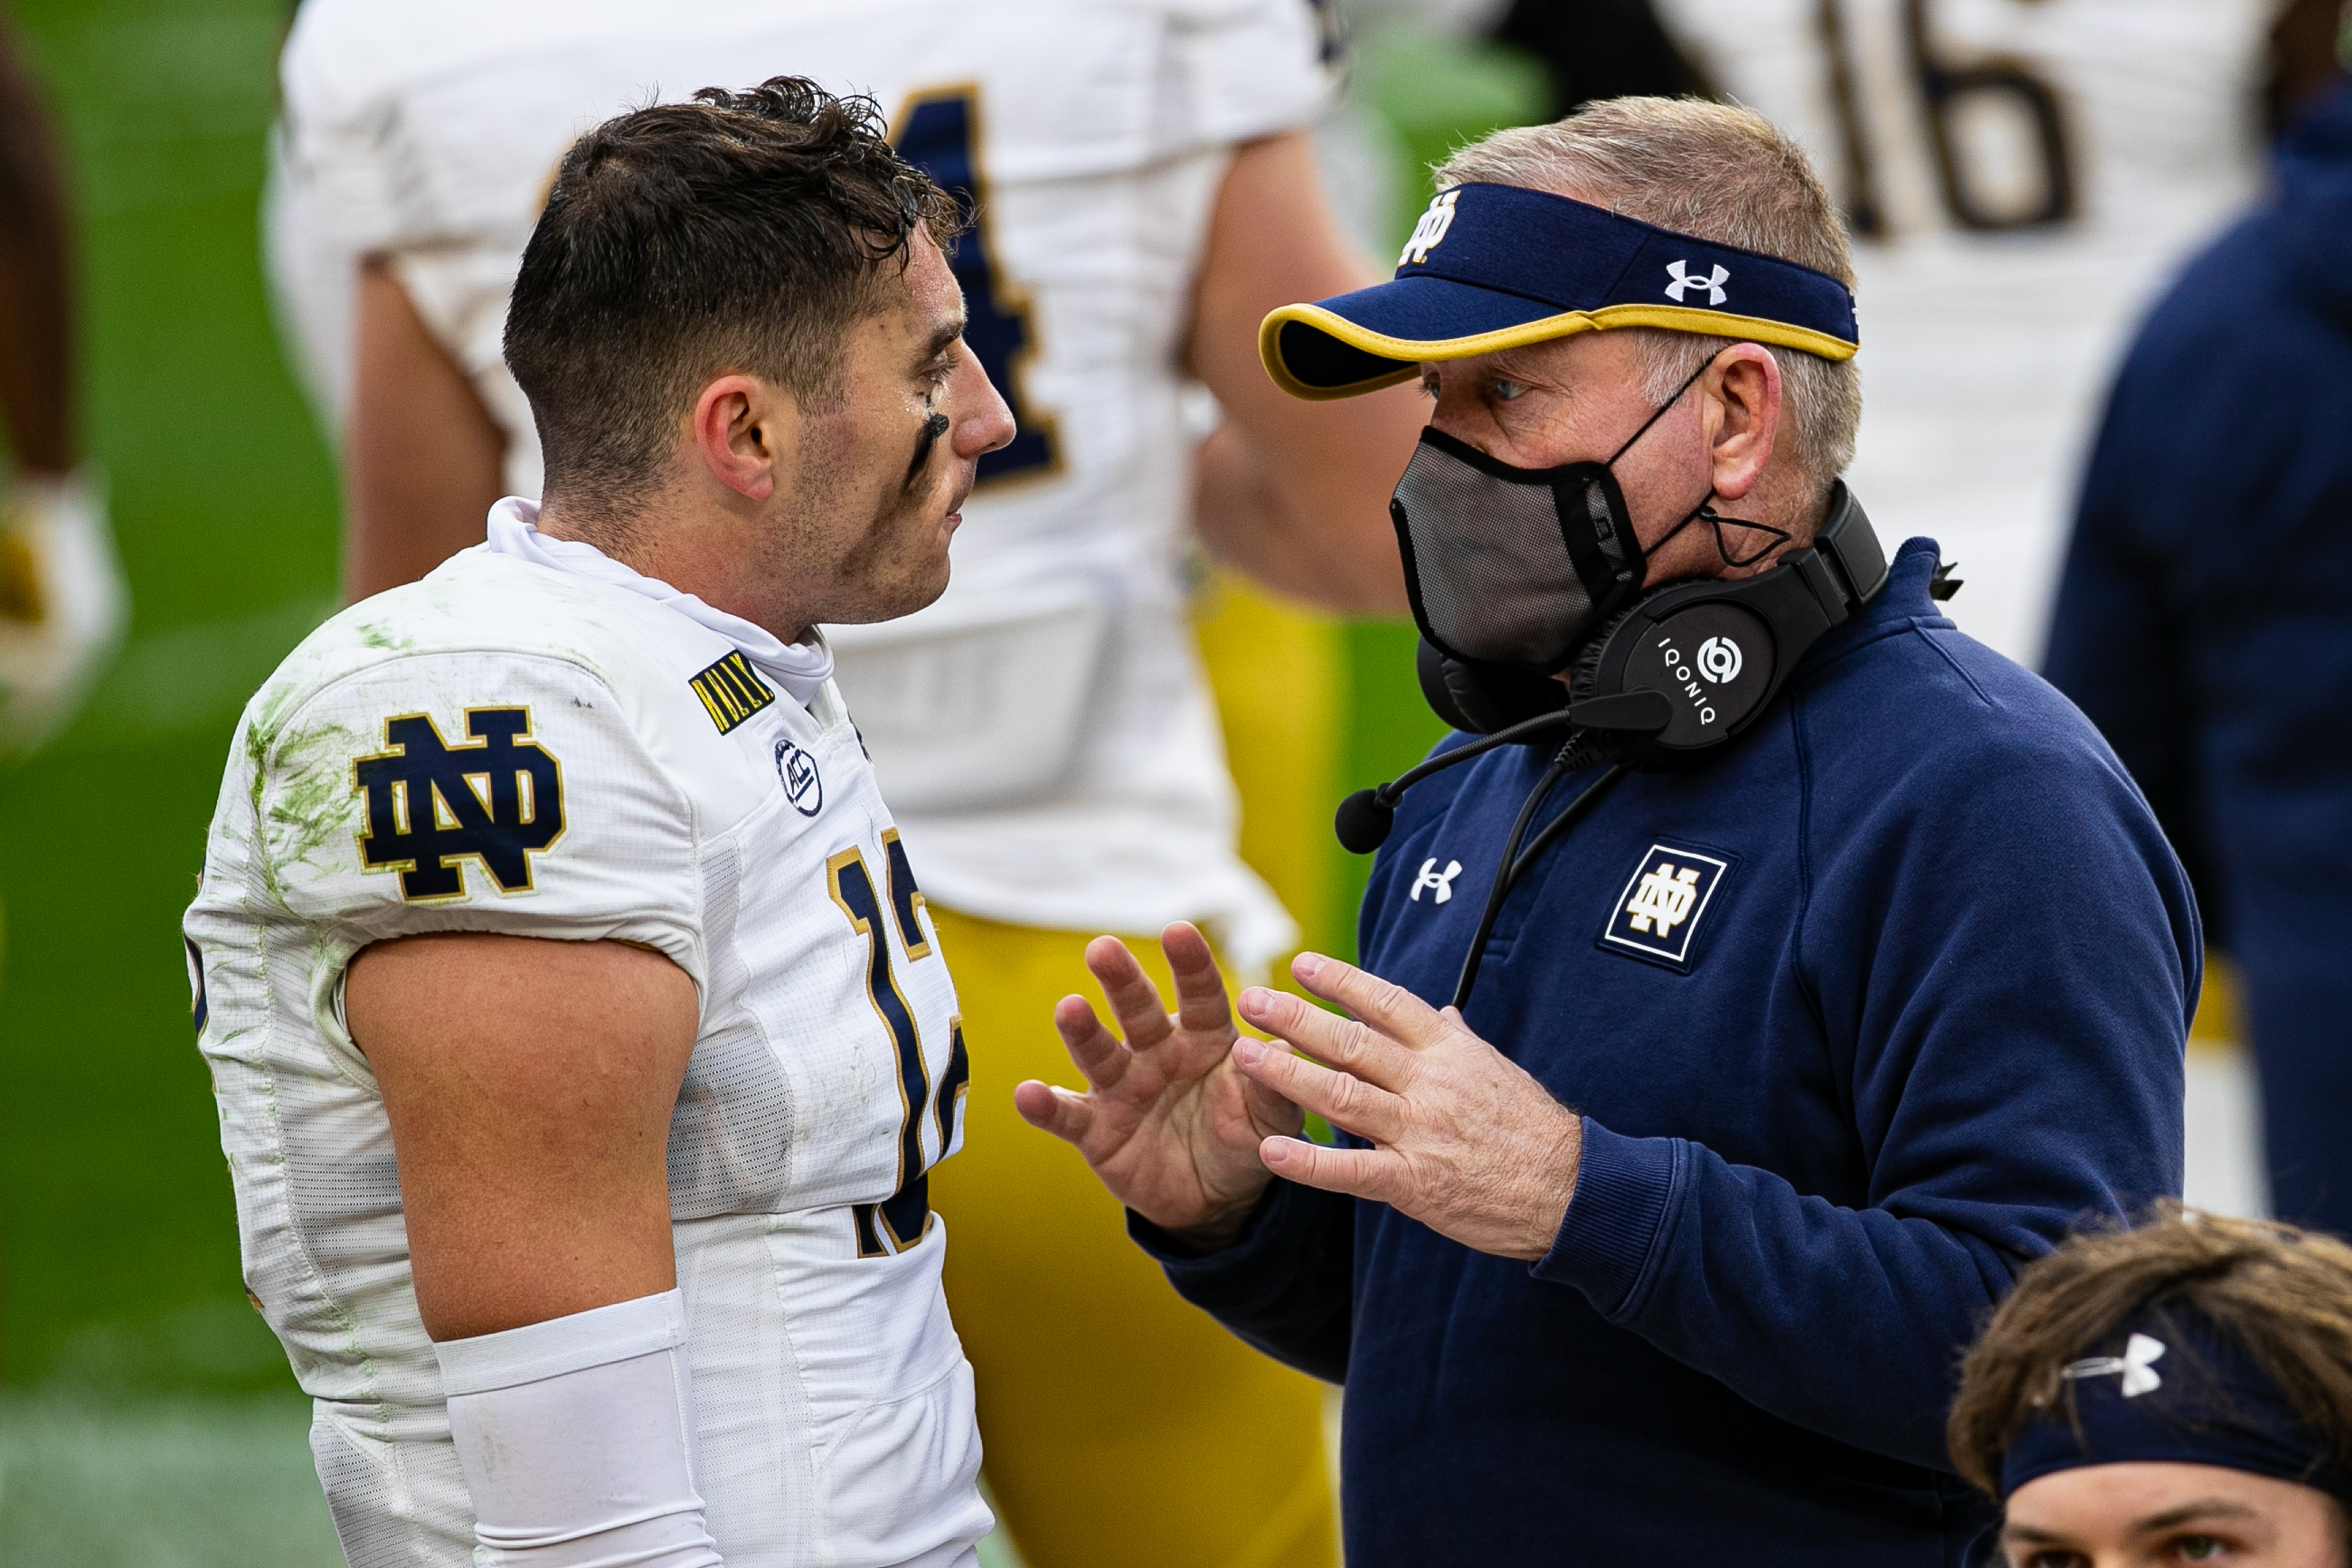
1430, 877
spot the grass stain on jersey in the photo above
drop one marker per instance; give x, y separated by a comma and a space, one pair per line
317, 806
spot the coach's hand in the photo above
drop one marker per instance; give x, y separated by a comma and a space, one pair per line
1464, 1140
1169, 1126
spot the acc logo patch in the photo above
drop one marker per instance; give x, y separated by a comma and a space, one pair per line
798, 771
498, 800
1664, 899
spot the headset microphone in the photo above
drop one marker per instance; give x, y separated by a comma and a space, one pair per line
1365, 818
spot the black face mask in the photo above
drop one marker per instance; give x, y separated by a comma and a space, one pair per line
1518, 566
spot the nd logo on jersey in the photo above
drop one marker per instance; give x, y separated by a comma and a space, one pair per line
498, 800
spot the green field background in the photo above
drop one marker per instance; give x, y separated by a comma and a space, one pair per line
146, 1414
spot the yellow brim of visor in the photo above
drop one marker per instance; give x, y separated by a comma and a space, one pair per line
1404, 356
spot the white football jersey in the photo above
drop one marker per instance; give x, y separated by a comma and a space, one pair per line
1044, 729
507, 747
2024, 176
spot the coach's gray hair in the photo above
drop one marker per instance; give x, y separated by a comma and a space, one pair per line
1716, 172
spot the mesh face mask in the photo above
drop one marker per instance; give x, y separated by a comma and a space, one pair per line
1510, 565
1518, 566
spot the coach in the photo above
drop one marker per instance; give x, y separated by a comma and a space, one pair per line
1776, 1065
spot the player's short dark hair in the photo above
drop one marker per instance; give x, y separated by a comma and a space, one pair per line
743, 231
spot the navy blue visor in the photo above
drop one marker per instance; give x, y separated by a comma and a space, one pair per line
1499, 267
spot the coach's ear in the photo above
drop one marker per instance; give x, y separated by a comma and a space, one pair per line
744, 429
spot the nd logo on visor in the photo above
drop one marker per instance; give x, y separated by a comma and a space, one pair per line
1430, 231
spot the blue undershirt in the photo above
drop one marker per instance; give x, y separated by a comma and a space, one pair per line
1922, 1010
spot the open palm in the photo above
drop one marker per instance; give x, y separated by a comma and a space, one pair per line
1167, 1122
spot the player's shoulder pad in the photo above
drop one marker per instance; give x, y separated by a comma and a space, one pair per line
418, 767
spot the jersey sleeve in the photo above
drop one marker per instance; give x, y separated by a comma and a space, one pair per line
342, 184
489, 792
1246, 69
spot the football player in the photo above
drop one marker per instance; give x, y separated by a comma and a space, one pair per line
1142, 192
580, 1041
62, 601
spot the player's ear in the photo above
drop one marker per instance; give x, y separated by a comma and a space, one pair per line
1743, 387
743, 429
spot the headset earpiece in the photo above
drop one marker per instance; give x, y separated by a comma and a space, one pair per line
1480, 698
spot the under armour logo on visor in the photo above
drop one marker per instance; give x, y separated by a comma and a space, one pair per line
2137, 1364
1683, 282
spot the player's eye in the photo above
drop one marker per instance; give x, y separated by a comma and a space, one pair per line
941, 370
2055, 1557
2200, 1548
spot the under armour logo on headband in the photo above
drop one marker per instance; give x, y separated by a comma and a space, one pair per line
2137, 1364
1684, 281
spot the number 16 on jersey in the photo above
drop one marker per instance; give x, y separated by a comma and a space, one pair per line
903, 1218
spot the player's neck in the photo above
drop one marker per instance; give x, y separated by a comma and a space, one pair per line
694, 548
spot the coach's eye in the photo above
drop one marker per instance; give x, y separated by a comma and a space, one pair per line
1509, 391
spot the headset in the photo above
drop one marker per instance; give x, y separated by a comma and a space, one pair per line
1665, 686
1689, 666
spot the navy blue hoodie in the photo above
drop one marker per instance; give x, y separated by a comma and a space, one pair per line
1862, 1015
2205, 623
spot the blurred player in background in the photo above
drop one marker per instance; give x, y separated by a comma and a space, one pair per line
1143, 192
62, 601
2203, 624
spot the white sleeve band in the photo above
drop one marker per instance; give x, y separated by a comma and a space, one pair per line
577, 1437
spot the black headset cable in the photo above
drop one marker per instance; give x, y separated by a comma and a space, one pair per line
1563, 822
1513, 864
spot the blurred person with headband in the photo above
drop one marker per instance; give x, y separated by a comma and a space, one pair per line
1143, 190
2176, 1393
1761, 977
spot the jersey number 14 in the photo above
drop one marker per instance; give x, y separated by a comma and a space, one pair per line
939, 133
